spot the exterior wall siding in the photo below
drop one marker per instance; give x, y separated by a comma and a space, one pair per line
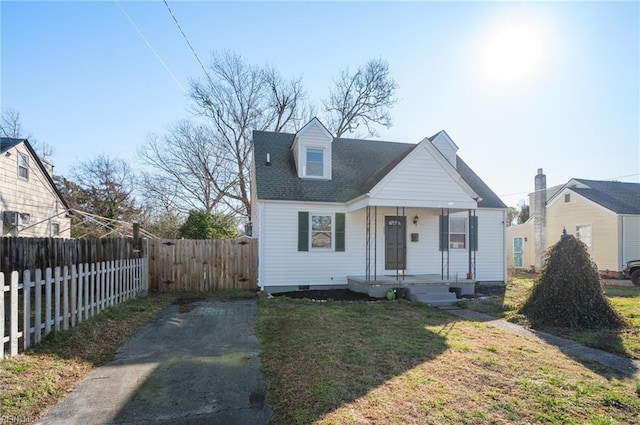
580, 211
404, 183
630, 239
524, 230
281, 264
34, 196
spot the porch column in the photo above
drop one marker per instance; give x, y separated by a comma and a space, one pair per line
473, 243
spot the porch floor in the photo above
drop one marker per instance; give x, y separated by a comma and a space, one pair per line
426, 288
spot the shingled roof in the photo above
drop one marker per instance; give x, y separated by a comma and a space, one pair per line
358, 165
7, 143
619, 197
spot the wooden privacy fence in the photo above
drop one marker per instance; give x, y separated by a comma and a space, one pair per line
203, 265
32, 305
40, 253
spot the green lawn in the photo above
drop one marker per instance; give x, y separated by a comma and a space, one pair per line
624, 299
396, 362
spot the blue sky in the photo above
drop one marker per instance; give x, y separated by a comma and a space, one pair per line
518, 86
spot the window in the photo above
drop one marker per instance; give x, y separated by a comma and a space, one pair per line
321, 231
583, 233
23, 165
457, 232
324, 233
567, 197
25, 218
55, 229
315, 162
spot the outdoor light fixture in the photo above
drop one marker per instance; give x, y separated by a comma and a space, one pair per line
415, 220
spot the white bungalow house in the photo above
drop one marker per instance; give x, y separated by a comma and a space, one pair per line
30, 203
336, 212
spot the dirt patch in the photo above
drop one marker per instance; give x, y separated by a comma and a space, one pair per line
334, 294
186, 304
490, 290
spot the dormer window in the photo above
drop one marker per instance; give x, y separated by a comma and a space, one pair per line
311, 149
315, 162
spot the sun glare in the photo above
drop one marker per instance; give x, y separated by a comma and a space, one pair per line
514, 52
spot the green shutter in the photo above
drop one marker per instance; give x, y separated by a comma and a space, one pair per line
444, 233
340, 231
303, 231
473, 233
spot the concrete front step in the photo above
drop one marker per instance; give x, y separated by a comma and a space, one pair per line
437, 299
430, 290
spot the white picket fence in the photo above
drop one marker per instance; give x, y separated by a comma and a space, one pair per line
63, 298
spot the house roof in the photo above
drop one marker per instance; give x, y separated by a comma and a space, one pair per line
619, 197
358, 165
7, 143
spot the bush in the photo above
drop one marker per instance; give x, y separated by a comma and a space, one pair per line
568, 293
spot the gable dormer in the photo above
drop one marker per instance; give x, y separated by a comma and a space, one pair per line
446, 146
312, 151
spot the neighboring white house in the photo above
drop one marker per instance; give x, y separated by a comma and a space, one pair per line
30, 203
605, 215
325, 208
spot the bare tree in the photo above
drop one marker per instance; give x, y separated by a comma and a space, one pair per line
523, 211
187, 171
362, 98
108, 184
237, 98
11, 126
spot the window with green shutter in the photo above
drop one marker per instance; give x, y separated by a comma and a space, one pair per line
444, 233
473, 233
340, 232
303, 231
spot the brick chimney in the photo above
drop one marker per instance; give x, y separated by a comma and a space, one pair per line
540, 217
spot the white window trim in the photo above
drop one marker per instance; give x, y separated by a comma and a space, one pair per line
26, 157
333, 233
575, 232
51, 228
324, 162
466, 232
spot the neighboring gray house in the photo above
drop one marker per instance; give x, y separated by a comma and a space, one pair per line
325, 209
30, 203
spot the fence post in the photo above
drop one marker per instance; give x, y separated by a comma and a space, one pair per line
65, 299
47, 301
2, 314
26, 309
74, 294
37, 331
14, 314
56, 303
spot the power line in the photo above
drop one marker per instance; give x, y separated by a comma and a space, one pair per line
187, 39
561, 185
150, 47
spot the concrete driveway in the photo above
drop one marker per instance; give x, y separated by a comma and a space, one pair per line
198, 363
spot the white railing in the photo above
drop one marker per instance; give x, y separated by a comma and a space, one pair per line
63, 297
